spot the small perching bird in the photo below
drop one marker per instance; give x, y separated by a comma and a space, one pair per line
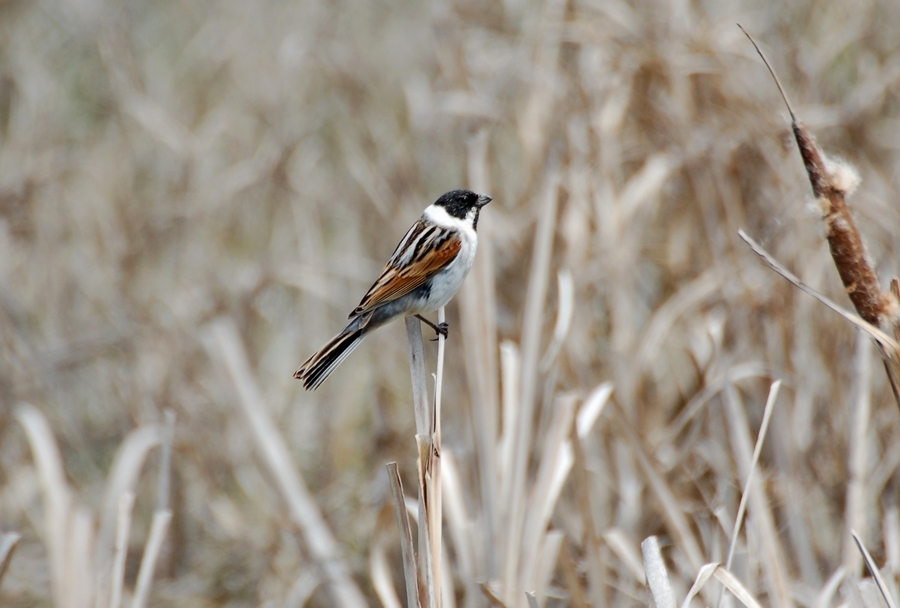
424, 272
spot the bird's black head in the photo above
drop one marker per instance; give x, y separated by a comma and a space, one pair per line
463, 204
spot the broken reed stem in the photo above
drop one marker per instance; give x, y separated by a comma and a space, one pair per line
407, 549
428, 465
657, 578
423, 426
832, 183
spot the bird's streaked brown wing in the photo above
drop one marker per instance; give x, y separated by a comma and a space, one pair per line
422, 253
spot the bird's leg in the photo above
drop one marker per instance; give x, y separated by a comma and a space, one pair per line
441, 329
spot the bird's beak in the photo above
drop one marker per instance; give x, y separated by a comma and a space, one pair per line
483, 199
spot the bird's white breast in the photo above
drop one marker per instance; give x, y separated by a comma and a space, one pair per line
446, 283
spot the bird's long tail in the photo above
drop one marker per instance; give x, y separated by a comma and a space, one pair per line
318, 367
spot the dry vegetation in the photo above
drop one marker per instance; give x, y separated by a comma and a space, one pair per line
193, 196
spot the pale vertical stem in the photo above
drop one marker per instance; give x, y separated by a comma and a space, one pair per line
165, 462
761, 437
772, 557
123, 525
407, 550
56, 493
417, 370
478, 305
155, 540
424, 437
438, 383
855, 518
161, 518
8, 544
515, 498
435, 503
662, 595
426, 569
531, 337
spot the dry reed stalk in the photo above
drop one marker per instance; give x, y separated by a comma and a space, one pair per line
77, 579
729, 581
830, 588
428, 468
382, 578
122, 479
271, 445
624, 549
8, 543
672, 511
57, 504
433, 474
406, 541
85, 572
426, 569
874, 571
478, 313
158, 528
123, 525
540, 543
514, 486
766, 532
590, 413
745, 494
858, 468
891, 527
162, 516
463, 533
661, 594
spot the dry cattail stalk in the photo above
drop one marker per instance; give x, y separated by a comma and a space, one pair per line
832, 182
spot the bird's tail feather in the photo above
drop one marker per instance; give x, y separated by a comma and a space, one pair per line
318, 367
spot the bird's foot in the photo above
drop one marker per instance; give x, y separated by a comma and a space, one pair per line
441, 329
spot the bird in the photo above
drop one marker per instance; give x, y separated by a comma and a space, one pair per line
425, 271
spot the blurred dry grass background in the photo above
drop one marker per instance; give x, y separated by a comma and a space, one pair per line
167, 164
